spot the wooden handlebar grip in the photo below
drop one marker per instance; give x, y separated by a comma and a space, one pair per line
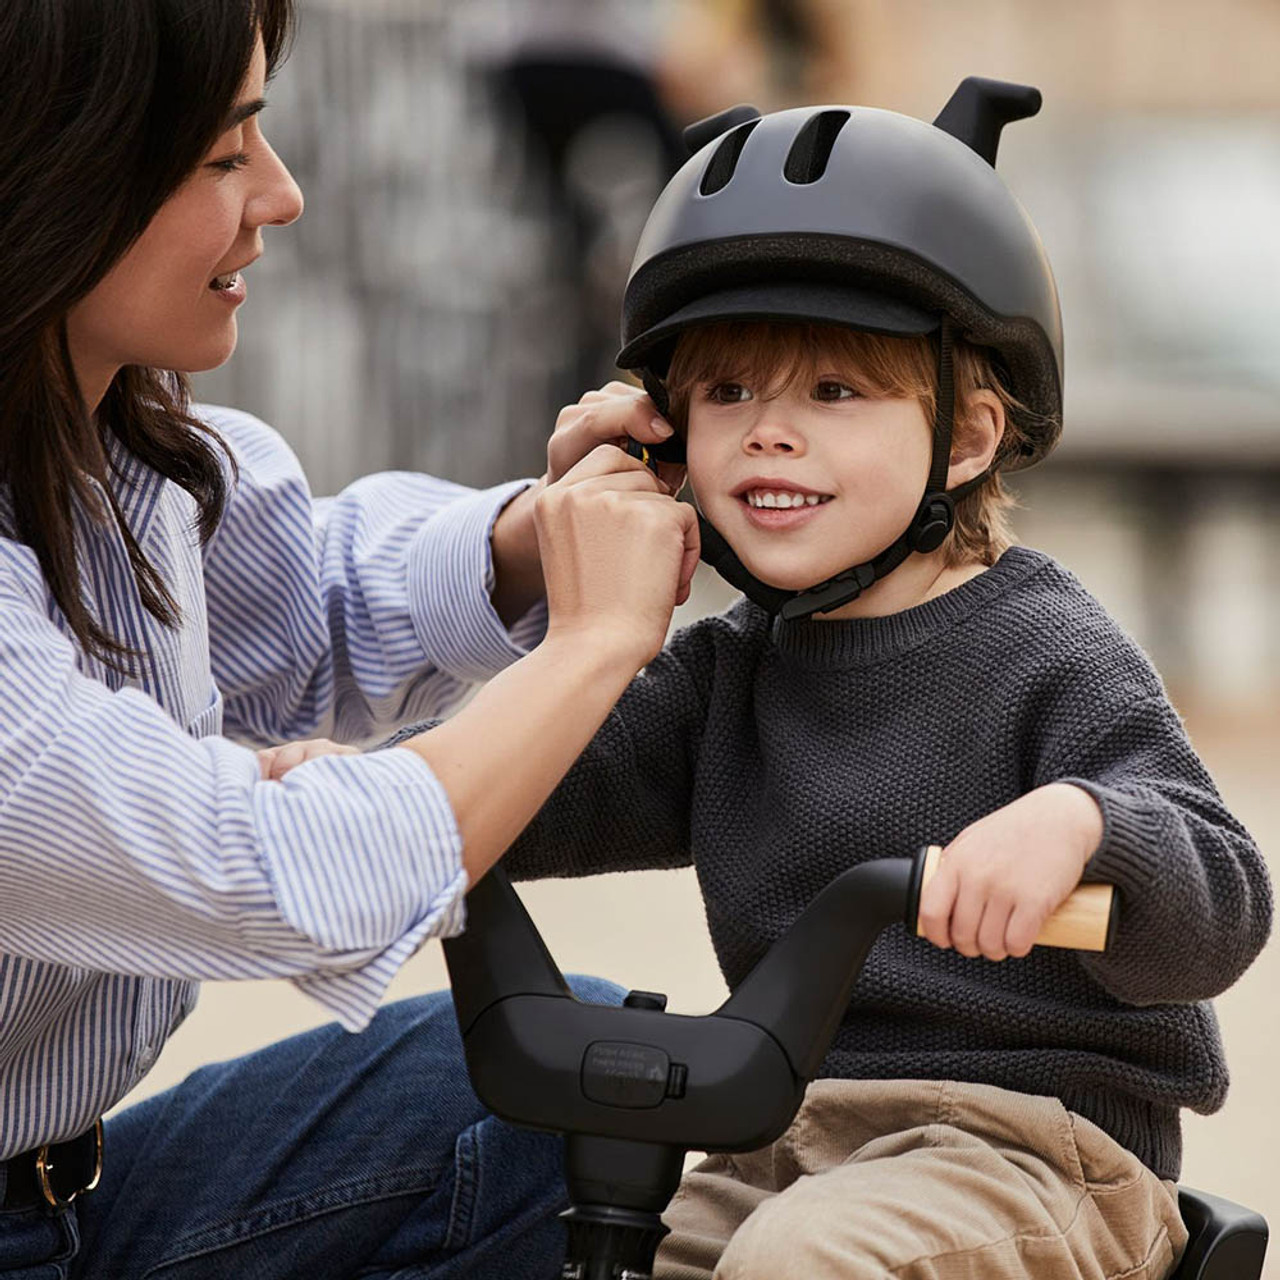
1083, 922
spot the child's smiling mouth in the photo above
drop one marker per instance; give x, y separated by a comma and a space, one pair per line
771, 504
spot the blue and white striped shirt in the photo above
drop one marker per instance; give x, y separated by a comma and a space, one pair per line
139, 850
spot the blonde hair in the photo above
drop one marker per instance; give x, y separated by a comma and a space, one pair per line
775, 355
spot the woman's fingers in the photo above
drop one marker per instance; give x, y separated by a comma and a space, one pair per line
614, 413
672, 474
692, 552
275, 762
607, 460
616, 551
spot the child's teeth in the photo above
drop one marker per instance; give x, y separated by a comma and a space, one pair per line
784, 501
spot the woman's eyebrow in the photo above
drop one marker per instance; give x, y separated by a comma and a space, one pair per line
241, 112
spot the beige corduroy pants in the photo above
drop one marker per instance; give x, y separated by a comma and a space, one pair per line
925, 1180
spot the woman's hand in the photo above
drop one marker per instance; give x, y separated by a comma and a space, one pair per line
1003, 876
618, 552
607, 416
275, 762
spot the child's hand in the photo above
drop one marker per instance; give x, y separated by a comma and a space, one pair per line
1003, 876
275, 762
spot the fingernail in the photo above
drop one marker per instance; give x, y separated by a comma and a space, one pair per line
661, 426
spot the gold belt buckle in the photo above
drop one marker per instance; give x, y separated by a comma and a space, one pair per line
44, 1167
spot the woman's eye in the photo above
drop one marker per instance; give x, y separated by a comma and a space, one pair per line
728, 393
830, 389
230, 163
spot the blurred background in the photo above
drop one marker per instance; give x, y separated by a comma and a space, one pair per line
477, 173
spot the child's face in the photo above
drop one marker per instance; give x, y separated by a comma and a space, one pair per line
859, 463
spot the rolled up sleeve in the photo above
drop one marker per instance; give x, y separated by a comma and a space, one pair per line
127, 846
346, 616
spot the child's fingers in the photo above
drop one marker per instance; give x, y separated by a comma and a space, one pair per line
993, 928
265, 757
1025, 922
936, 901
966, 916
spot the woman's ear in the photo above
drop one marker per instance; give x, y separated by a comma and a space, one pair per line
979, 430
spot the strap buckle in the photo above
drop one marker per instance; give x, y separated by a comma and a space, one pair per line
45, 1169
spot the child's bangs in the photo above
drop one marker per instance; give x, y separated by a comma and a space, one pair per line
774, 356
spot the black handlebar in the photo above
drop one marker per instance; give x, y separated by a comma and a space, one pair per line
634, 1088
729, 1080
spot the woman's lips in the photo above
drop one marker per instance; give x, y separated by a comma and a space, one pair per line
230, 288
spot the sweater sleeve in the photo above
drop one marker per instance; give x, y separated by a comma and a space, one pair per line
1195, 899
625, 804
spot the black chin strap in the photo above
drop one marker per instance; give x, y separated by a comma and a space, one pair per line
933, 520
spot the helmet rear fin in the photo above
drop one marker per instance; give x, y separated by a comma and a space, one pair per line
807, 159
698, 134
979, 109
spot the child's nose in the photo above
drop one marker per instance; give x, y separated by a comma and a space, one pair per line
771, 434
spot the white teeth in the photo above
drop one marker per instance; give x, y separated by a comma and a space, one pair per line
783, 499
226, 282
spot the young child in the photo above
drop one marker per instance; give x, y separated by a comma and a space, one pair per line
828, 347
823, 301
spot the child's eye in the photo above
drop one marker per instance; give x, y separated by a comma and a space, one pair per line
728, 393
231, 163
830, 389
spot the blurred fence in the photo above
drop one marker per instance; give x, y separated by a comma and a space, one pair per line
432, 307
477, 172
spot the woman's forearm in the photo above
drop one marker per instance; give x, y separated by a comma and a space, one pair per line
503, 754
517, 566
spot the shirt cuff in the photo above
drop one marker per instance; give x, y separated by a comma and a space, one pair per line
365, 859
450, 568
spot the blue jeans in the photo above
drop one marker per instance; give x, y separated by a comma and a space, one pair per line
326, 1156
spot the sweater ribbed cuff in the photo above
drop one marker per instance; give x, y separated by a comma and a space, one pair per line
1125, 855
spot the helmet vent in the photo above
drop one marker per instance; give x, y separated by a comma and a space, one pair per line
807, 159
725, 159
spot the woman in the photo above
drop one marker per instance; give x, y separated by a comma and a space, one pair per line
166, 578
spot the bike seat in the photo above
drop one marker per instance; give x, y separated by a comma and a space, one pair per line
1228, 1241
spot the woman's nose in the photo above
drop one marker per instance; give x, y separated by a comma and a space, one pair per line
279, 200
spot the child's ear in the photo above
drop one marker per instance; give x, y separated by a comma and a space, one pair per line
978, 432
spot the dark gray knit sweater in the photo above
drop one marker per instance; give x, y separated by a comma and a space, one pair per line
774, 758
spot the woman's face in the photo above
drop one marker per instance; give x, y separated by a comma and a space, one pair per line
170, 302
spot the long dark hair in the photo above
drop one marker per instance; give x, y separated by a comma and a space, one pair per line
106, 106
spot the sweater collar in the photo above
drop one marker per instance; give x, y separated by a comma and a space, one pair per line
855, 642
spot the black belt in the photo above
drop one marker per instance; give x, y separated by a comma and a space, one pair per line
55, 1173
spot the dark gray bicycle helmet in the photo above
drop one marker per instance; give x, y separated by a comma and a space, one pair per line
866, 218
